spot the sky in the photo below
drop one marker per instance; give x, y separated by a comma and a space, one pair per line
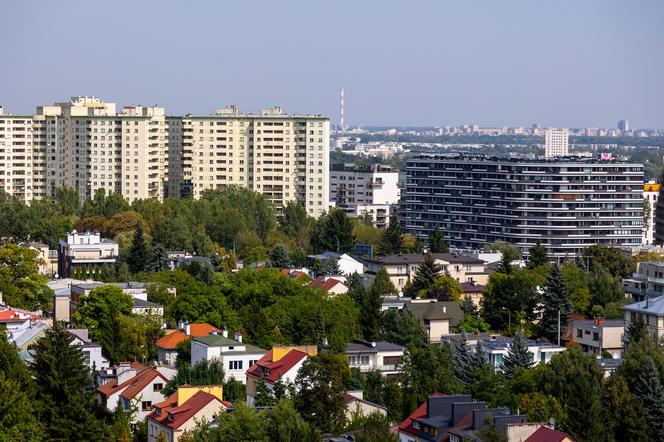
564, 63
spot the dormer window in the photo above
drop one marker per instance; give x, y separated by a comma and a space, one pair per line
266, 371
170, 417
416, 425
157, 411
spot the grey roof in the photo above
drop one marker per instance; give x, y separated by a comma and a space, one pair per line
220, 340
416, 258
358, 346
139, 303
435, 310
89, 285
652, 306
80, 333
609, 363
325, 255
605, 323
31, 333
504, 342
130, 285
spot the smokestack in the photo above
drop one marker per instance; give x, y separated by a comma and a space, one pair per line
342, 125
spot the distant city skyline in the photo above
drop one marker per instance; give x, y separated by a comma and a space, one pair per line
559, 64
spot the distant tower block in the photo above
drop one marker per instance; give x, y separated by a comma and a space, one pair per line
342, 126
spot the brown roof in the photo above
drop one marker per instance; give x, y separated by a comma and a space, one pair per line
132, 386
416, 258
173, 417
278, 368
545, 434
324, 283
435, 310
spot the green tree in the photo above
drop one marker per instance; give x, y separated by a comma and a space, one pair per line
382, 283
65, 388
355, 284
604, 287
575, 379
331, 266
158, 259
541, 407
511, 297
21, 284
400, 327
279, 256
636, 329
203, 373
333, 231
234, 391
557, 305
425, 276
518, 356
67, 200
468, 307
537, 256
139, 255
649, 390
626, 416
296, 223
437, 243
610, 258
370, 313
391, 241
373, 427
263, 396
287, 425
445, 288
321, 383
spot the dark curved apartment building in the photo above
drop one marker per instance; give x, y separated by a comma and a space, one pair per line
566, 203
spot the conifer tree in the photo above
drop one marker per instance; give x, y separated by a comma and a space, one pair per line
437, 243
517, 356
264, 396
391, 241
626, 414
537, 256
425, 276
469, 308
382, 283
556, 300
65, 388
505, 264
636, 329
138, 255
650, 391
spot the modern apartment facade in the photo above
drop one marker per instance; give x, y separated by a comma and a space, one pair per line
651, 195
567, 204
371, 189
140, 153
646, 282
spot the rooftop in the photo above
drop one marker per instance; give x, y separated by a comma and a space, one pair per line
358, 346
652, 306
173, 417
430, 309
171, 340
416, 258
278, 368
504, 159
503, 342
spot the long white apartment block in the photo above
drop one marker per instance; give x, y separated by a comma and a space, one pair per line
141, 153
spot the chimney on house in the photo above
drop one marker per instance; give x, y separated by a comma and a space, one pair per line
187, 329
224, 333
238, 336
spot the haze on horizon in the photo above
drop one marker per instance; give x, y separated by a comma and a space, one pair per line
494, 63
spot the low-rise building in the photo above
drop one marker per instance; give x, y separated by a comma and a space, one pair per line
330, 284
647, 281
453, 418
48, 259
597, 336
436, 318
182, 410
356, 405
495, 350
167, 345
381, 356
472, 290
235, 356
92, 354
651, 310
87, 250
279, 364
16, 321
346, 263
130, 389
401, 268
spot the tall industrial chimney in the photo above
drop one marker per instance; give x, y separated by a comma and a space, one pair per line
341, 111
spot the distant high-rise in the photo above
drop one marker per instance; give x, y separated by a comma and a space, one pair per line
623, 125
556, 143
342, 125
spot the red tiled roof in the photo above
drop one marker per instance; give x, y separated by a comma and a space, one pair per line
131, 387
323, 283
171, 340
420, 412
292, 274
185, 411
278, 368
14, 315
545, 434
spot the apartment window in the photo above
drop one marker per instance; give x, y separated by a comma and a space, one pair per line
392, 360
146, 405
595, 336
235, 365
579, 333
157, 387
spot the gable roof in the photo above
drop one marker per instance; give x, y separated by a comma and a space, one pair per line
545, 434
435, 310
180, 415
471, 287
132, 386
652, 306
278, 368
416, 258
171, 340
349, 398
358, 346
16, 315
324, 283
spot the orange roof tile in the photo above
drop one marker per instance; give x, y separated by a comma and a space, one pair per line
140, 381
171, 340
184, 412
278, 368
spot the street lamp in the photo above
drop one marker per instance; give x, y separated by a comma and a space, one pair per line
509, 317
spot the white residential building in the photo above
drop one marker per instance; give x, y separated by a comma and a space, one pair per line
495, 350
91, 351
85, 249
556, 143
651, 310
380, 356
365, 190
235, 356
346, 263
651, 195
597, 336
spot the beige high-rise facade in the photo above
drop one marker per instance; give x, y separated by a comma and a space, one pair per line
284, 157
556, 143
141, 153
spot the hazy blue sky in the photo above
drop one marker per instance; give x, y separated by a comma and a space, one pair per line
493, 62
